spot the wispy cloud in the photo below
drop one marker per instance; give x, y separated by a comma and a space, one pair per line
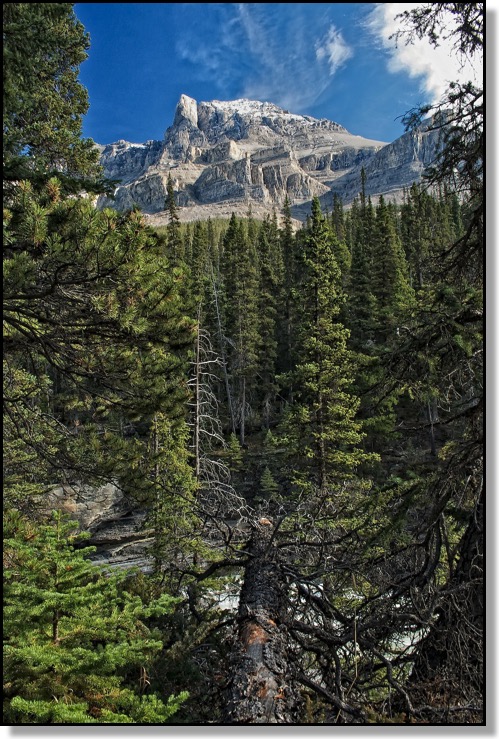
267, 51
435, 66
333, 49
207, 50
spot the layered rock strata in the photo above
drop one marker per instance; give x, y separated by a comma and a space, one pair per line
226, 156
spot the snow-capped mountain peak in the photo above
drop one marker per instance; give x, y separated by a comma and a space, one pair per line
223, 155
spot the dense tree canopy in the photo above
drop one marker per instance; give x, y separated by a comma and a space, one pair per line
297, 413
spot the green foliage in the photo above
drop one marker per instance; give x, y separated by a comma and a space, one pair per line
268, 486
357, 341
81, 633
175, 241
320, 432
95, 334
389, 283
271, 268
241, 319
361, 304
428, 224
172, 489
44, 45
234, 454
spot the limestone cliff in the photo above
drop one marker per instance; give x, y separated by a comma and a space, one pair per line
224, 156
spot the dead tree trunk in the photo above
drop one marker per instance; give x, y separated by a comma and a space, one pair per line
261, 689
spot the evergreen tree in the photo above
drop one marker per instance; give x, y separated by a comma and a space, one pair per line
361, 304
268, 486
168, 473
338, 219
92, 320
70, 658
234, 454
268, 297
428, 224
389, 281
342, 253
200, 269
174, 237
43, 101
287, 311
321, 434
241, 283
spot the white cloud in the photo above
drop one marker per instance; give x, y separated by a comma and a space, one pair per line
280, 49
266, 51
333, 49
436, 66
290, 69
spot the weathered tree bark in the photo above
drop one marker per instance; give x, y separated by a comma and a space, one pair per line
261, 688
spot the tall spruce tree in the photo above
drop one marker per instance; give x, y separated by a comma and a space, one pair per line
428, 223
174, 237
268, 301
321, 434
361, 304
389, 281
286, 332
241, 284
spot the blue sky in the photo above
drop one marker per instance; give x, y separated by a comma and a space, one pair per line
328, 60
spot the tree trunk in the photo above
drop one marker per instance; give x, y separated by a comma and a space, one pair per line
261, 690
222, 353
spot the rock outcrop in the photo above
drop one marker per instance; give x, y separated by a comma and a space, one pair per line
114, 521
224, 156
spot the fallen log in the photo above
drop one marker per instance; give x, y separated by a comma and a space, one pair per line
261, 689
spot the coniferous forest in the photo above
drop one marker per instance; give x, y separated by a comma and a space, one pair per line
298, 412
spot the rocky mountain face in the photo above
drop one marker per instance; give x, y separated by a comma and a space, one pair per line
225, 156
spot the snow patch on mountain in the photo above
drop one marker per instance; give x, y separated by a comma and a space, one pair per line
233, 153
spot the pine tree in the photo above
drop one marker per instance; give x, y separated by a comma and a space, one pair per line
268, 486
338, 219
169, 487
200, 269
44, 102
241, 320
268, 302
342, 253
93, 319
428, 223
175, 241
361, 304
287, 311
390, 285
322, 436
81, 634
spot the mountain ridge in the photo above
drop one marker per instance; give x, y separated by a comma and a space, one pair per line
225, 156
